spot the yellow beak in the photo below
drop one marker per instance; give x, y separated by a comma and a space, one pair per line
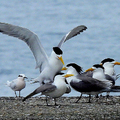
61, 59
64, 68
68, 75
90, 69
117, 63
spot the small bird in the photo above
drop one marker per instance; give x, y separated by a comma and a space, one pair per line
17, 84
88, 85
54, 90
48, 66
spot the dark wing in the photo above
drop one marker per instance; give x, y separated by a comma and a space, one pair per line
88, 84
77, 30
48, 87
88, 74
108, 77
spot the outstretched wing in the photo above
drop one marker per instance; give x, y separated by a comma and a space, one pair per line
30, 38
77, 30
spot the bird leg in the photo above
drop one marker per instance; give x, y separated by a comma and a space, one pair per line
97, 96
107, 96
79, 98
15, 94
89, 98
55, 102
19, 93
46, 101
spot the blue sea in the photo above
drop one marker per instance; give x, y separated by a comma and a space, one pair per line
51, 20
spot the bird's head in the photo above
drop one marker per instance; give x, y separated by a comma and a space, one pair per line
22, 76
57, 53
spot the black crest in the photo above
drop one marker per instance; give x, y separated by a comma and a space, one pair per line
107, 60
98, 66
57, 50
77, 67
60, 73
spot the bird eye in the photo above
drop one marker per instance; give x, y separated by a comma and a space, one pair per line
19, 75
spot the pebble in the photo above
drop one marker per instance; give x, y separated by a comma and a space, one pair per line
36, 108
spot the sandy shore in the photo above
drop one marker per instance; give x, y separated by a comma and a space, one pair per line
35, 108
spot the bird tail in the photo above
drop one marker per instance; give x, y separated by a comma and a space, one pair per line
8, 83
115, 89
117, 76
31, 94
108, 84
28, 96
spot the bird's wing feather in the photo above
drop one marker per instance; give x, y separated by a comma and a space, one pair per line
30, 38
77, 30
48, 87
88, 84
94, 81
108, 77
13, 84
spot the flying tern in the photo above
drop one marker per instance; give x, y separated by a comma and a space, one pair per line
17, 84
48, 66
54, 90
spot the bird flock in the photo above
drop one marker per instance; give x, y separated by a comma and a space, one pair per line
53, 80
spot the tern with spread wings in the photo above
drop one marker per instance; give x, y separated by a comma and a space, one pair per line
48, 66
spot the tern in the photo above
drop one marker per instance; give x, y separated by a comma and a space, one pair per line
17, 84
54, 90
88, 85
48, 66
109, 64
109, 71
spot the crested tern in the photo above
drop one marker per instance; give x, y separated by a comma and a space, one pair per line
17, 84
48, 66
53, 90
88, 85
109, 71
109, 64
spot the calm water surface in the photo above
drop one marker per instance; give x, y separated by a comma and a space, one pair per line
51, 20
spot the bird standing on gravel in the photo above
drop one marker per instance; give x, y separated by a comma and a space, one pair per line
108, 65
17, 84
54, 90
109, 70
88, 85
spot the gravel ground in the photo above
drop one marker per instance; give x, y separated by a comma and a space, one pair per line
35, 108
